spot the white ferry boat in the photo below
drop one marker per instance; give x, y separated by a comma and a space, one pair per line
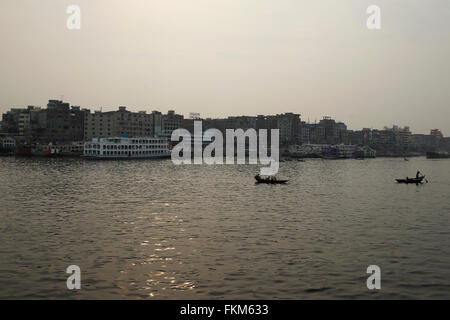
127, 148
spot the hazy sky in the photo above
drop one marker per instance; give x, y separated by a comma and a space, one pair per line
234, 57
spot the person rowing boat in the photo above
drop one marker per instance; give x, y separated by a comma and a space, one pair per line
418, 179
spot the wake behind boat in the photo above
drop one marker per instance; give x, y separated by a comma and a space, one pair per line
269, 180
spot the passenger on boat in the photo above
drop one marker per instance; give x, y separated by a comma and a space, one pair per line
417, 174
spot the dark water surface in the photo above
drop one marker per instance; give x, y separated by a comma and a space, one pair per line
150, 229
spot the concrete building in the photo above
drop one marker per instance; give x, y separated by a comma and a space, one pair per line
424, 143
24, 125
170, 122
289, 125
403, 137
134, 124
156, 118
316, 134
60, 123
384, 137
359, 137
444, 144
290, 128
327, 131
332, 130
10, 120
304, 133
240, 122
117, 123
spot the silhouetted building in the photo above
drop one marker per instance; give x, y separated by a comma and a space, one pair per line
61, 123
170, 122
11, 119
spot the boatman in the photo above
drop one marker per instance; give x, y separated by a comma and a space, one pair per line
417, 174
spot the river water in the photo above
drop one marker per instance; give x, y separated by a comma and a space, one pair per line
148, 229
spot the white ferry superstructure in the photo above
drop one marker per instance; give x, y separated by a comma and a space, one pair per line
127, 148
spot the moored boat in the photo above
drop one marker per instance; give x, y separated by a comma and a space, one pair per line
127, 148
24, 150
41, 151
438, 155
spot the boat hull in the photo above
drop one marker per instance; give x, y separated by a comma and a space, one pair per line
437, 155
411, 180
102, 157
268, 181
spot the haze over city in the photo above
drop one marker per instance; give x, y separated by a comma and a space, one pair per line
229, 57
224, 158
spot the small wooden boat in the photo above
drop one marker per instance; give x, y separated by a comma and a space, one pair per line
411, 180
269, 180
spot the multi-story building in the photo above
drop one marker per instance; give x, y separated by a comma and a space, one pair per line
170, 122
327, 131
403, 137
117, 123
424, 142
240, 122
384, 137
57, 123
10, 120
313, 133
332, 130
156, 119
444, 144
359, 137
60, 123
342, 132
290, 128
305, 133
220, 124
289, 125
24, 124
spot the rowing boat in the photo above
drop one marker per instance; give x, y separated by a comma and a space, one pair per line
269, 180
411, 180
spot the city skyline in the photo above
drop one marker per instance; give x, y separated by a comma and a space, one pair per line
303, 117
